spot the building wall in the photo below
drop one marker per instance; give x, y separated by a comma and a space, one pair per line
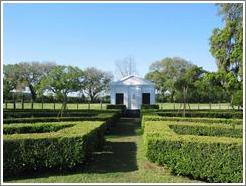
130, 92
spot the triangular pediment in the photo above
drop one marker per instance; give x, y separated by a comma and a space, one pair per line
133, 80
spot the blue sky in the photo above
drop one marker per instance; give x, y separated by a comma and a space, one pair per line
86, 35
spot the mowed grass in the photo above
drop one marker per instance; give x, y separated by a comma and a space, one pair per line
57, 106
195, 106
121, 161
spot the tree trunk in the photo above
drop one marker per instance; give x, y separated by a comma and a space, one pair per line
92, 98
22, 102
184, 101
33, 92
64, 105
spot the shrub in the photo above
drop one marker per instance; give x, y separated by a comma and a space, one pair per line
209, 158
155, 117
120, 107
203, 114
207, 129
146, 106
99, 117
59, 150
37, 128
53, 113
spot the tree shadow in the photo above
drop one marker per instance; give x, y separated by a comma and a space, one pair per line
115, 157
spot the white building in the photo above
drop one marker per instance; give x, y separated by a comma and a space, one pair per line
132, 91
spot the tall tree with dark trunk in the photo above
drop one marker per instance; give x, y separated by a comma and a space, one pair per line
226, 45
168, 70
31, 74
61, 81
95, 82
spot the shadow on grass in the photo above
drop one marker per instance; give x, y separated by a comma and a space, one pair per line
118, 156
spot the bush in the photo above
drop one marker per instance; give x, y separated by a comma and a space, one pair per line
237, 99
154, 106
37, 128
207, 129
60, 150
121, 107
203, 114
209, 158
155, 117
52, 113
99, 117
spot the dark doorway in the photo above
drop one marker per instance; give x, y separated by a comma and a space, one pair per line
146, 98
119, 99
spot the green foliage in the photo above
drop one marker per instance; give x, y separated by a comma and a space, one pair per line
237, 99
26, 114
121, 107
165, 73
37, 128
156, 117
206, 114
146, 106
95, 82
98, 117
226, 44
209, 158
207, 129
62, 80
59, 150
10, 79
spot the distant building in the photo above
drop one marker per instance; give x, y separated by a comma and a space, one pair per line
132, 91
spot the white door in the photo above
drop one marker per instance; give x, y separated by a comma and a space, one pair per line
134, 98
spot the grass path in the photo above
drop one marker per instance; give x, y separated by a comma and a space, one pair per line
122, 160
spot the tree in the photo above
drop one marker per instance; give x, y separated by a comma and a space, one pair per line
95, 82
160, 80
226, 44
186, 82
61, 81
32, 73
125, 67
170, 70
10, 79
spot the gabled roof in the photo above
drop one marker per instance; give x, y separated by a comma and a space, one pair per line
132, 80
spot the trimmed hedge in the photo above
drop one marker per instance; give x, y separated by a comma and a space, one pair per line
121, 107
99, 117
209, 158
155, 117
207, 130
146, 106
60, 150
52, 113
37, 128
204, 114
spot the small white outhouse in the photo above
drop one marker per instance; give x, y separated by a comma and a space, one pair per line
132, 91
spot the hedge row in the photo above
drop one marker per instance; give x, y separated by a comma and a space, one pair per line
155, 117
209, 158
146, 106
37, 128
99, 117
120, 107
207, 129
60, 150
203, 114
25, 114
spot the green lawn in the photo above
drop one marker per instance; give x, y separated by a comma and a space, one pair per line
122, 160
103, 106
57, 106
